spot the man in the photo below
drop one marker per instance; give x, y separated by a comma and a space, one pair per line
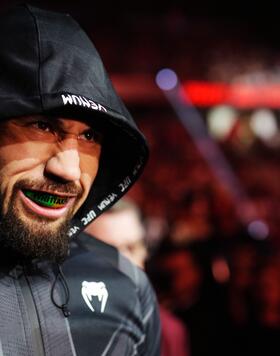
68, 151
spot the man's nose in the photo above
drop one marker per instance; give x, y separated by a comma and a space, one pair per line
65, 164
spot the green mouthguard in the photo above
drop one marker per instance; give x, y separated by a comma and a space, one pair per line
46, 199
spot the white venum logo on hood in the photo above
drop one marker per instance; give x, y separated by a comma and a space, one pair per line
95, 289
78, 100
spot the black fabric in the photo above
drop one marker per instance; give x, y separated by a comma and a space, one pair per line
17, 326
48, 65
130, 324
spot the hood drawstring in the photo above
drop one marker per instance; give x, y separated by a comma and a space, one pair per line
64, 307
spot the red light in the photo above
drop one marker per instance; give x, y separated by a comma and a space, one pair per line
204, 93
207, 94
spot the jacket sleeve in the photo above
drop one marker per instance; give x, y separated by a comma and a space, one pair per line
151, 320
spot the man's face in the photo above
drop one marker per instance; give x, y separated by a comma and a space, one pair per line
47, 167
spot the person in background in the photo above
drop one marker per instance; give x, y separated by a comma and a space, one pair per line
123, 227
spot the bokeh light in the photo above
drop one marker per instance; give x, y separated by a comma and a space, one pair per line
263, 123
166, 79
258, 229
221, 120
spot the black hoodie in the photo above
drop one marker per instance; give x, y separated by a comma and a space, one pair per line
48, 65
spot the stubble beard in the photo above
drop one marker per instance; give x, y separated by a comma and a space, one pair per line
37, 238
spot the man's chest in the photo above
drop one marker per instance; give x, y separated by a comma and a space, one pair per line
105, 314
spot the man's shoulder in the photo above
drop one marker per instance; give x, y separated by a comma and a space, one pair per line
89, 251
95, 263
87, 244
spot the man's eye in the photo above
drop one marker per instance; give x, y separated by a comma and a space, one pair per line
90, 136
42, 125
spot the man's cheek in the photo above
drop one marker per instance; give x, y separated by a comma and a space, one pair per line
9, 175
86, 182
89, 163
13, 167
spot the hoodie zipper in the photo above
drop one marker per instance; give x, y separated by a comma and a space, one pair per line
36, 332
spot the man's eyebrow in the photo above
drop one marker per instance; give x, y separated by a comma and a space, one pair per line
55, 121
52, 120
33, 118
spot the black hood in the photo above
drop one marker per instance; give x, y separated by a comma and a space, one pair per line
49, 65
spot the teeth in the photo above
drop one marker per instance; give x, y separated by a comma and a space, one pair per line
46, 199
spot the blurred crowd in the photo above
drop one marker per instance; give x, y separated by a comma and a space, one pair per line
208, 268
213, 259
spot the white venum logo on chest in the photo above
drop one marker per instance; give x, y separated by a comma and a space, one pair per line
95, 289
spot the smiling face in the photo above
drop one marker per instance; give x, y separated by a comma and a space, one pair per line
47, 167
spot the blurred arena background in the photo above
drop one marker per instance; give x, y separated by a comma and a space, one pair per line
210, 192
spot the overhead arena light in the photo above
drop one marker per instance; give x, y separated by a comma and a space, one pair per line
220, 121
263, 123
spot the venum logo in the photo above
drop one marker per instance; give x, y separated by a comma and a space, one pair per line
95, 289
107, 201
79, 100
